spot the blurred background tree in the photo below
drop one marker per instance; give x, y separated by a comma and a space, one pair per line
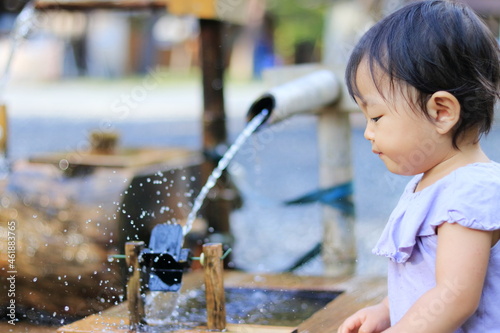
299, 26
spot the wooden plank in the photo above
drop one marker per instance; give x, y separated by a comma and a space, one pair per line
221, 10
286, 281
359, 293
125, 158
199, 8
239, 328
97, 323
99, 4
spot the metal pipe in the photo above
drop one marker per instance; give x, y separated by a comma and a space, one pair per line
303, 95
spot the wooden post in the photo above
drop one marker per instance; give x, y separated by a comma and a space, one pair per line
134, 290
212, 57
214, 286
3, 130
212, 67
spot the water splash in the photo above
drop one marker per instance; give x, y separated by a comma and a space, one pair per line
223, 163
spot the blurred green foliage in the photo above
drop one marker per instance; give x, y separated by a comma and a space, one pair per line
297, 21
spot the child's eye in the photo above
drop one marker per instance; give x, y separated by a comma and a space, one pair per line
376, 119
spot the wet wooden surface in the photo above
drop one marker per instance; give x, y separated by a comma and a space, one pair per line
125, 158
357, 293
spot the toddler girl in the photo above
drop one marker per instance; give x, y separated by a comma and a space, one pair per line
427, 79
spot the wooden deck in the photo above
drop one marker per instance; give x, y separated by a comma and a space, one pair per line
357, 292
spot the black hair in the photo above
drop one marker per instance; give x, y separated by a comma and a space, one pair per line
435, 45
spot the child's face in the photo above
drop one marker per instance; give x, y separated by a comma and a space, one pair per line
406, 142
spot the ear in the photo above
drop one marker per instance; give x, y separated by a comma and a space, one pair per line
444, 109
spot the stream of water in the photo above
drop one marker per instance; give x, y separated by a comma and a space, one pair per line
159, 305
23, 25
223, 163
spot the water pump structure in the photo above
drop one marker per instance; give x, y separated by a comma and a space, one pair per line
157, 268
164, 262
318, 90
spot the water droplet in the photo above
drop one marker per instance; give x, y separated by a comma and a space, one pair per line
63, 164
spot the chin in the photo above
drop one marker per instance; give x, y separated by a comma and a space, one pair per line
401, 169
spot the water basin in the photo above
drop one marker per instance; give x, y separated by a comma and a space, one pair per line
263, 303
273, 307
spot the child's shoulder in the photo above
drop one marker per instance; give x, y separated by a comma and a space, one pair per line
473, 176
468, 196
479, 175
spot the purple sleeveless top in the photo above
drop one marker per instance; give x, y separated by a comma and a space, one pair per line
469, 196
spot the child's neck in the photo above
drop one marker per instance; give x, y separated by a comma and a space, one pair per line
466, 154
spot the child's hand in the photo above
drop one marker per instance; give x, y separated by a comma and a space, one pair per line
373, 319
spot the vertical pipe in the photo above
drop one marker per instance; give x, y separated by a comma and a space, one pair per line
134, 290
214, 286
335, 167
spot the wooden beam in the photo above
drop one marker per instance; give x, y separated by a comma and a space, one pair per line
360, 292
99, 4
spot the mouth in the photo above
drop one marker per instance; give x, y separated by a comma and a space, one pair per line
376, 152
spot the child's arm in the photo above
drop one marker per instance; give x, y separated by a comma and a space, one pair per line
461, 264
373, 319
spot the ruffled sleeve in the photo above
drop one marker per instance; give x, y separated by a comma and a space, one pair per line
469, 196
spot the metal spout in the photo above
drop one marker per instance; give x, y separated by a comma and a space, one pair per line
303, 95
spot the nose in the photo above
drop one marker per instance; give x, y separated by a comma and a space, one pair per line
369, 134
